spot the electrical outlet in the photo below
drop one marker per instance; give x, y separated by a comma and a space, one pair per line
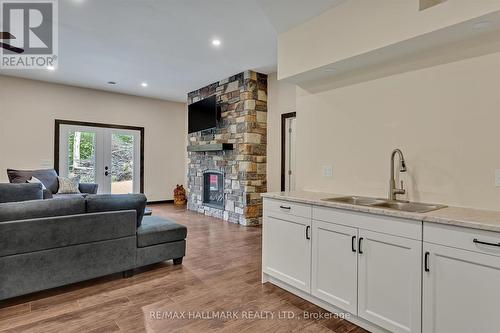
327, 171
497, 177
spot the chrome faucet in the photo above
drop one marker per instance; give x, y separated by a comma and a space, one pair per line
393, 191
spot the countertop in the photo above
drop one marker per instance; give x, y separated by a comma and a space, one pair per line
462, 217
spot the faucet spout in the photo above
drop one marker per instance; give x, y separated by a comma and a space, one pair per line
393, 190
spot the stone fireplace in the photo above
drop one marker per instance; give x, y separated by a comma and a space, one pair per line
227, 165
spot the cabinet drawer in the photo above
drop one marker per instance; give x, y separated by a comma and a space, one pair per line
462, 238
284, 208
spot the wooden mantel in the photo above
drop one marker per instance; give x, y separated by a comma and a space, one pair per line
210, 147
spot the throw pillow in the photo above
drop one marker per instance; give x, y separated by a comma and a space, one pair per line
35, 180
68, 185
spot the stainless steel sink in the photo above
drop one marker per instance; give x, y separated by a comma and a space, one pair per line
414, 207
355, 200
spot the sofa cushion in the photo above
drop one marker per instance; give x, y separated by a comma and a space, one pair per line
88, 188
20, 192
35, 180
26, 210
47, 194
48, 177
156, 230
60, 231
113, 202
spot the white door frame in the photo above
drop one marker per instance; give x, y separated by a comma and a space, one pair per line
288, 125
103, 136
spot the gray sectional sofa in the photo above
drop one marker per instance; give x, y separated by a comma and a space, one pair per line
50, 243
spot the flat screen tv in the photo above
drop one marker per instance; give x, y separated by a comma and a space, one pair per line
202, 115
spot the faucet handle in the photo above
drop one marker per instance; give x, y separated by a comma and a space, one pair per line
402, 189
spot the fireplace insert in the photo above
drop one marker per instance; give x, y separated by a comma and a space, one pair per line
213, 189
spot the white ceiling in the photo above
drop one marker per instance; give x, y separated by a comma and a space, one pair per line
167, 43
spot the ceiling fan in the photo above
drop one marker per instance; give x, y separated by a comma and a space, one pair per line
7, 35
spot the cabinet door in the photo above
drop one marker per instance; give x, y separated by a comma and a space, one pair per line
390, 273
287, 250
335, 265
461, 292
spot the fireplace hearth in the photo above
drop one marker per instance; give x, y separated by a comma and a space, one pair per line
213, 189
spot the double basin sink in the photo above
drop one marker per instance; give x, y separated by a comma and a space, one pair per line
412, 207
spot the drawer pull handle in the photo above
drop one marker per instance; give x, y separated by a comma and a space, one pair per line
485, 243
307, 232
285, 207
426, 262
353, 244
360, 251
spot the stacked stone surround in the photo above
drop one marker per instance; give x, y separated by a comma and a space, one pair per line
242, 99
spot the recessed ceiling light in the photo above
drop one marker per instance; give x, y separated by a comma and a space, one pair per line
111, 82
144, 84
216, 42
481, 25
51, 68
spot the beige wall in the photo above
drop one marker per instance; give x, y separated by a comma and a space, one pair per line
358, 26
281, 99
444, 118
28, 109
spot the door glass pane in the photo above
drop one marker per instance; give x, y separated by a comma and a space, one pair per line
122, 163
81, 156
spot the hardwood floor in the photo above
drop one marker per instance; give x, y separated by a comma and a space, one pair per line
221, 273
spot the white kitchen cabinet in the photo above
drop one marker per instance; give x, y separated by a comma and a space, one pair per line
287, 250
334, 265
389, 281
391, 274
461, 288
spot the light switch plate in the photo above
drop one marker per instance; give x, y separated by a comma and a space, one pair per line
497, 177
327, 171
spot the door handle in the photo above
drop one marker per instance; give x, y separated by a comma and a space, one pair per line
353, 244
426, 262
359, 245
106, 173
307, 232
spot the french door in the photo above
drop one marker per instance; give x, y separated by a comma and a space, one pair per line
109, 157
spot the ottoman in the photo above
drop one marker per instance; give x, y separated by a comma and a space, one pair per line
160, 239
